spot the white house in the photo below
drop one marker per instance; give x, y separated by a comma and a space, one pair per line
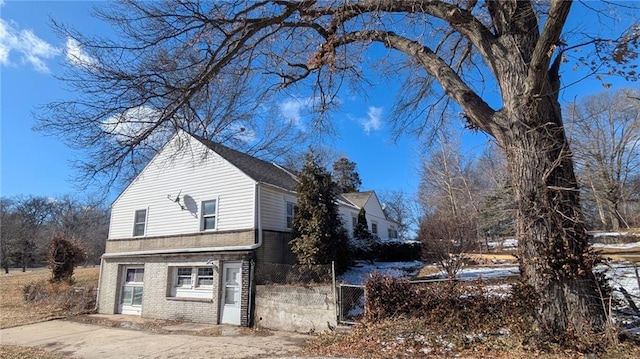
186, 232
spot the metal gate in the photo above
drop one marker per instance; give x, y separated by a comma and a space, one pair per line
351, 303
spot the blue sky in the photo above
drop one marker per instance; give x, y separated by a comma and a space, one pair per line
34, 164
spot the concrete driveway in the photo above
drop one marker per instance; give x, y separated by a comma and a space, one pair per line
94, 341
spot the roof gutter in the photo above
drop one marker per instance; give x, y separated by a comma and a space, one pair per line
258, 214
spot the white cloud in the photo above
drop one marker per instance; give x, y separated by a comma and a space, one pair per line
32, 49
291, 109
132, 123
373, 122
77, 56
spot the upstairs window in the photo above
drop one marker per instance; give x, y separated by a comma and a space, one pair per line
374, 228
139, 222
209, 214
291, 210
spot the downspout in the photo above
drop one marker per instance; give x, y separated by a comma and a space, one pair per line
258, 212
95, 308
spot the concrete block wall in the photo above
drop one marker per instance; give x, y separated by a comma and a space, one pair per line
196, 240
295, 309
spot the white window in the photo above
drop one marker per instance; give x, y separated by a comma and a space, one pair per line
184, 278
209, 214
374, 228
205, 277
291, 210
139, 222
393, 233
192, 282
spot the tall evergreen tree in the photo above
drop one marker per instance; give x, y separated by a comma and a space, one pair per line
346, 176
361, 230
318, 234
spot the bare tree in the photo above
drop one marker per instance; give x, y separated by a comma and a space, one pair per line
85, 221
497, 212
33, 214
448, 181
402, 208
605, 136
9, 229
447, 240
175, 57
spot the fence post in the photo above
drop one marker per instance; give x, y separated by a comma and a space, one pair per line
635, 267
335, 297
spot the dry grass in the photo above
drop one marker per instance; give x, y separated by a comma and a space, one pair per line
17, 352
411, 338
16, 311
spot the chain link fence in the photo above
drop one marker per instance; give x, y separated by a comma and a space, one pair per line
351, 303
275, 273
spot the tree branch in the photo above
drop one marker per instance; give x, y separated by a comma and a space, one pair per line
475, 107
549, 38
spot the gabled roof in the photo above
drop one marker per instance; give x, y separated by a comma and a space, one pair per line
358, 199
259, 170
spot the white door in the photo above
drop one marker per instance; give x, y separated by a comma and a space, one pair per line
231, 293
131, 293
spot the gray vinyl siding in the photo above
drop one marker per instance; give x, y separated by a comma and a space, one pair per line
274, 208
198, 174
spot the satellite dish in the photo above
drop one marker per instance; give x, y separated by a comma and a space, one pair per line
176, 199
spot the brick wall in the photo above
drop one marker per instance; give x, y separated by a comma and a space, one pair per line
157, 302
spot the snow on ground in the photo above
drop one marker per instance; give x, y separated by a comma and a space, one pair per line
474, 273
613, 234
621, 274
359, 273
616, 246
508, 243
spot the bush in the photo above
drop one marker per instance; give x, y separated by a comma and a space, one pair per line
386, 251
448, 306
388, 297
61, 296
63, 257
398, 251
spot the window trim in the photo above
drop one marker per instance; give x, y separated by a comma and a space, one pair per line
214, 215
292, 205
194, 290
374, 227
143, 223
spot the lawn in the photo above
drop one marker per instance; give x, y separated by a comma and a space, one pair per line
16, 311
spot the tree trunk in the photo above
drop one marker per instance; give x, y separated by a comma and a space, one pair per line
554, 253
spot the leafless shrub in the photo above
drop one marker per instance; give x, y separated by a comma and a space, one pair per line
62, 297
446, 239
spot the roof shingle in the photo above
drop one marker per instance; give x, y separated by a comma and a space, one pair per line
259, 170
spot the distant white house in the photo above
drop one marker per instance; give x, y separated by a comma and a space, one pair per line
186, 232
